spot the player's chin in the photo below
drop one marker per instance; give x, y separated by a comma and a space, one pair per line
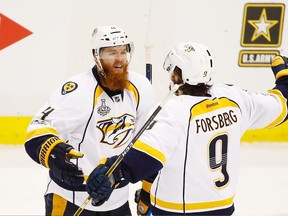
118, 71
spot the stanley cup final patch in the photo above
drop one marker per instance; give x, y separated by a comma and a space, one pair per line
68, 87
103, 109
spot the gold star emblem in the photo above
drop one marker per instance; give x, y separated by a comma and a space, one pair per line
262, 26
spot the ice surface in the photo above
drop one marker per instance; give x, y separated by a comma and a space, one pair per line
262, 188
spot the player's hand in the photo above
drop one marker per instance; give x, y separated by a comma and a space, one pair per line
99, 186
142, 198
62, 168
280, 67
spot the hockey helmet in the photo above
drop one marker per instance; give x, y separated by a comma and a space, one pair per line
109, 36
194, 59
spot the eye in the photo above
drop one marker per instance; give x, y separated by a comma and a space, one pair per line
112, 53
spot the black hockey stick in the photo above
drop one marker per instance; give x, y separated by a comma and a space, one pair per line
125, 151
148, 62
148, 45
149, 71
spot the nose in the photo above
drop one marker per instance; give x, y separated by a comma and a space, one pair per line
121, 56
118, 56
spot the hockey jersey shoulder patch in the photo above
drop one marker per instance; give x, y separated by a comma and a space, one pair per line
69, 87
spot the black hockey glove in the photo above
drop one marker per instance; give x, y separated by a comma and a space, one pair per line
99, 186
55, 154
280, 69
142, 198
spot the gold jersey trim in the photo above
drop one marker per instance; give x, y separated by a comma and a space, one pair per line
282, 116
192, 206
150, 150
211, 105
40, 132
59, 205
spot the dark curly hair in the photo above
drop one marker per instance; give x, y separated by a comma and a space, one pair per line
200, 89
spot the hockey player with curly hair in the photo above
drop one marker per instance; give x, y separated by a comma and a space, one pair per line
194, 142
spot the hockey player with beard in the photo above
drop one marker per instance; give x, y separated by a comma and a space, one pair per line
194, 143
91, 116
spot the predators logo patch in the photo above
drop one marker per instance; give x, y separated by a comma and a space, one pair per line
117, 130
68, 87
189, 48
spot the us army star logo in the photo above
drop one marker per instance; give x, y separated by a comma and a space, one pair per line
262, 25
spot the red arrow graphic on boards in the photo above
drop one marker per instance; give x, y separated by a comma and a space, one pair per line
11, 32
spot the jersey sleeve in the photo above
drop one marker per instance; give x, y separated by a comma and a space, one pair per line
281, 89
58, 117
154, 146
263, 110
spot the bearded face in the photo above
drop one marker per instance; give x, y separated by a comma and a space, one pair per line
114, 61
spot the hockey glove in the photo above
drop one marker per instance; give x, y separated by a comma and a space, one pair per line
142, 198
99, 186
55, 154
280, 69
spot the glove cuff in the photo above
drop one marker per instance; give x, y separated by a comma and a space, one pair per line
146, 186
46, 149
279, 66
142, 208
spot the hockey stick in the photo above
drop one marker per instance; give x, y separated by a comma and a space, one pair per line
148, 62
126, 150
149, 71
148, 45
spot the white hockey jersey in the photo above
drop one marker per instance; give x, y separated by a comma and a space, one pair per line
197, 141
95, 121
